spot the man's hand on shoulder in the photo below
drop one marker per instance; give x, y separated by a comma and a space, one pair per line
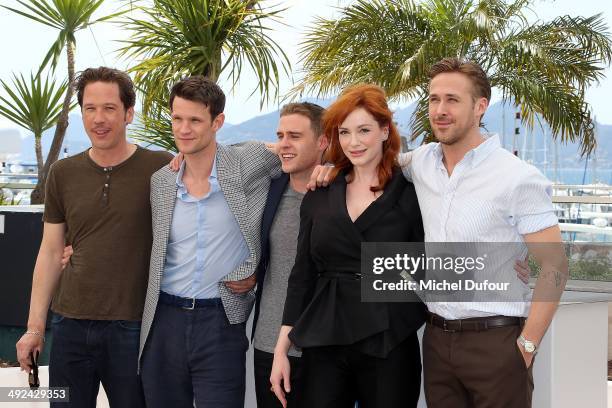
241, 286
273, 147
320, 177
175, 163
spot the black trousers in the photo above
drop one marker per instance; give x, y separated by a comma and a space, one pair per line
262, 362
337, 376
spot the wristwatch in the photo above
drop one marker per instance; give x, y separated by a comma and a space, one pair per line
528, 345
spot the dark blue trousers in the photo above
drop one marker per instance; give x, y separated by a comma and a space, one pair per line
194, 356
87, 352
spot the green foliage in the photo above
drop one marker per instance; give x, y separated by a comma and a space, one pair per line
179, 38
595, 269
591, 269
67, 16
33, 104
156, 130
544, 67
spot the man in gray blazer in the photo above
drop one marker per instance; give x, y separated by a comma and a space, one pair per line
206, 231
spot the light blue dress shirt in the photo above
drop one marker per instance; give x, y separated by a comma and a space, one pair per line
205, 242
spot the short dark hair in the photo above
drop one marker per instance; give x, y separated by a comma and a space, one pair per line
480, 81
106, 74
312, 111
198, 88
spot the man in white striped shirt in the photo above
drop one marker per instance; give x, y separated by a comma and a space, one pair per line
479, 354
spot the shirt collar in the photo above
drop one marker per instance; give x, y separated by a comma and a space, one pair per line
438, 155
474, 156
483, 150
182, 190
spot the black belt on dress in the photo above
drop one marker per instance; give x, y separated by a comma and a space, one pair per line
187, 303
473, 323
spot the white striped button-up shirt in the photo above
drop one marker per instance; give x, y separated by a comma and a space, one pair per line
490, 197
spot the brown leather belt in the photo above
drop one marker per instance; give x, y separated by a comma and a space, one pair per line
474, 323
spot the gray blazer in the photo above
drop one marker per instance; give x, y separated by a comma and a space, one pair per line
244, 173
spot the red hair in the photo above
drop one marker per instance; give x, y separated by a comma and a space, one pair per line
372, 98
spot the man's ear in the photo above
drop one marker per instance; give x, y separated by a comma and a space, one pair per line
218, 122
323, 142
129, 115
481, 106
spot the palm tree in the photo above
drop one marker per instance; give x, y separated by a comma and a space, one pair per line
68, 17
178, 38
35, 105
542, 67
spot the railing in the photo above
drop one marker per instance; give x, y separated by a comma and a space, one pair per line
582, 199
18, 186
14, 181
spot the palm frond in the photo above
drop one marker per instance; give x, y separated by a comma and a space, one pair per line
155, 130
178, 38
545, 66
33, 104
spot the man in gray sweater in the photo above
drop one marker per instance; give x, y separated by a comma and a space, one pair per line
300, 146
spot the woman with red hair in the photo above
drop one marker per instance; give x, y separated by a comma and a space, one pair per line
353, 350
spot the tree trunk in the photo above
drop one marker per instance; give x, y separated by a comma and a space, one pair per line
39, 156
38, 194
212, 70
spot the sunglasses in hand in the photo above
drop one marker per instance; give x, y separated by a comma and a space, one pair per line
33, 376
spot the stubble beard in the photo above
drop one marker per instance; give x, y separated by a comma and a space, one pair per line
454, 135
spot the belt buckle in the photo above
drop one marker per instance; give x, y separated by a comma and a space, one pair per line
192, 305
445, 327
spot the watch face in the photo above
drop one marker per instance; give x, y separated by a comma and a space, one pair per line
529, 347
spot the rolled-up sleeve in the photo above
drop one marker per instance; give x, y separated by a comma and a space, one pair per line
532, 207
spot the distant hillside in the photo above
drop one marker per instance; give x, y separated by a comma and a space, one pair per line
569, 154
259, 128
264, 128
75, 140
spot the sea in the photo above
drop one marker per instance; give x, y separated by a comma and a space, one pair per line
577, 175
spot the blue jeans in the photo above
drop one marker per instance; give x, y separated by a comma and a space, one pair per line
194, 356
87, 352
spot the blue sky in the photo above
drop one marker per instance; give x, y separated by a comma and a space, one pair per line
25, 43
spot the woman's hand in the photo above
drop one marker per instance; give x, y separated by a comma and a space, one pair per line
281, 369
279, 377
